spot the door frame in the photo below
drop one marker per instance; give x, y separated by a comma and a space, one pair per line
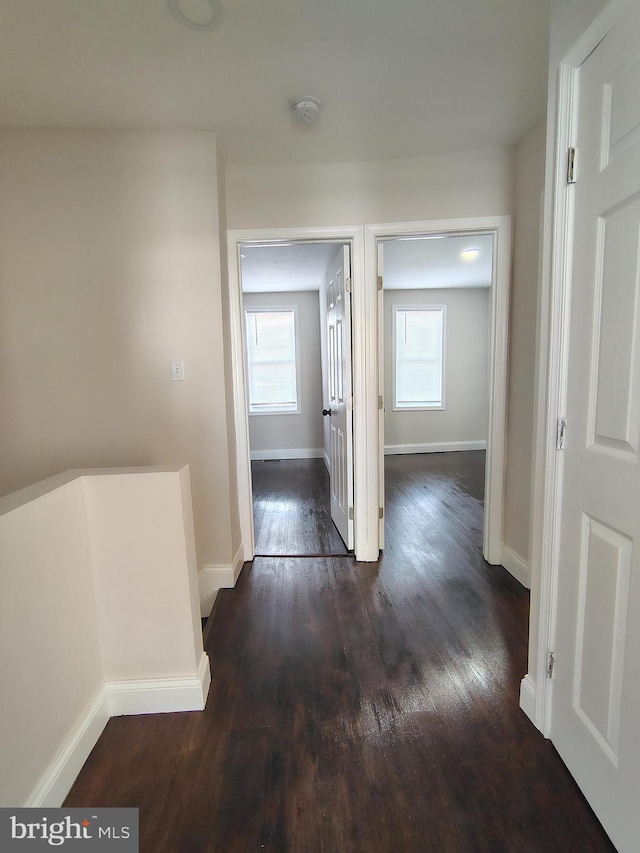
554, 304
363, 352
500, 228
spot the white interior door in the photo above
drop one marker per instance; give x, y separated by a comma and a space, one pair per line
595, 720
340, 412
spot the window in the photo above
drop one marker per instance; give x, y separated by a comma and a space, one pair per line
419, 357
272, 360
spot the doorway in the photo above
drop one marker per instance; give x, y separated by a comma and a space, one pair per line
436, 259
295, 311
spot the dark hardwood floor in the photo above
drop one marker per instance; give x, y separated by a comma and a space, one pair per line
358, 707
292, 509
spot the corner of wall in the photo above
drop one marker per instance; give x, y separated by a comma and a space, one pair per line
516, 566
216, 577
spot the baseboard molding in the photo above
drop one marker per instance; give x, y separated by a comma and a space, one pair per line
528, 698
116, 698
516, 566
286, 453
160, 695
58, 778
433, 447
327, 461
225, 577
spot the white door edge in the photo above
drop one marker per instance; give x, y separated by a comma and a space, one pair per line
500, 227
552, 365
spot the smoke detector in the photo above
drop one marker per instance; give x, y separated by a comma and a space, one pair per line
306, 109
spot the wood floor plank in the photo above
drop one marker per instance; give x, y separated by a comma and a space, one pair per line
292, 508
358, 708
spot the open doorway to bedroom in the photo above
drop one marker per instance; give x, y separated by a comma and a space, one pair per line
287, 300
441, 312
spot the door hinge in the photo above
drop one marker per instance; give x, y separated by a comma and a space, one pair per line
380, 402
571, 166
347, 285
379, 282
350, 513
350, 402
380, 512
551, 659
561, 433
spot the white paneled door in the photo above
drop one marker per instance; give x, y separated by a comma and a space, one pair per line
340, 412
595, 722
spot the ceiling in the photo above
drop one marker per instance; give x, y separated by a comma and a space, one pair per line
408, 264
397, 79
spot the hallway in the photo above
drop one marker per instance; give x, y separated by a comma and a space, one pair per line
358, 707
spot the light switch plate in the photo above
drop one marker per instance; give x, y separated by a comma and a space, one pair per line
177, 370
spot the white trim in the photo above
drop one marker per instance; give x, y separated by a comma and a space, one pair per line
55, 783
516, 566
115, 698
500, 227
364, 345
327, 461
287, 453
528, 697
552, 358
160, 695
225, 577
434, 447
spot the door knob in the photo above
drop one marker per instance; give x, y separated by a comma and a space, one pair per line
326, 412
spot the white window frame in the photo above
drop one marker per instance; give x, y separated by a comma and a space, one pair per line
441, 406
278, 309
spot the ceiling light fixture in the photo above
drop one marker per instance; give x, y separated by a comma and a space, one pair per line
202, 15
469, 254
306, 109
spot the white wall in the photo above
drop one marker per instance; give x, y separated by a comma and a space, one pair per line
530, 157
468, 183
50, 659
465, 417
293, 435
110, 267
99, 615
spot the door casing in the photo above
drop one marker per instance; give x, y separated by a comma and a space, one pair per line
500, 228
365, 413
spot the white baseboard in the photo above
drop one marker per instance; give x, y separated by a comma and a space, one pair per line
433, 447
225, 577
518, 567
528, 698
115, 698
160, 695
287, 453
327, 461
58, 778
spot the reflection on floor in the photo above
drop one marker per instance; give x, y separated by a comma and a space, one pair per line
358, 707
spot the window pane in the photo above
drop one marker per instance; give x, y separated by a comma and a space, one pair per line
419, 353
271, 358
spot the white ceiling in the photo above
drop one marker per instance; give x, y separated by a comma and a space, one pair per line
285, 268
396, 79
432, 263
408, 264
